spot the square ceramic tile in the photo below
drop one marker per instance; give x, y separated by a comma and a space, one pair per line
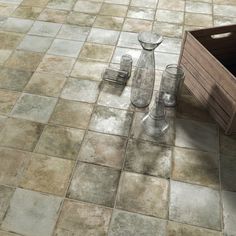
170, 16
89, 70
141, 13
229, 199
224, 10
172, 45
20, 134
81, 19
96, 52
32, 213
188, 205
7, 100
95, 184
6, 9
198, 7
196, 19
35, 43
5, 197
41, 3
73, 32
168, 29
103, 36
126, 223
61, 4
147, 3
53, 15
3, 120
71, 113
164, 59
17, 25
24, 60
59, 141
56, 64
46, 84
47, 29
103, 149
10, 40
124, 2
109, 22
79, 218
137, 25
87, 7
113, 10
143, 194
222, 20
4, 55
34, 107
196, 167
14, 79
148, 158
67, 48
27, 12
129, 40
111, 121
197, 135
227, 144
81, 90
175, 5
47, 174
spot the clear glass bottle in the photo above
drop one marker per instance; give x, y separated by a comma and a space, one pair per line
144, 75
172, 79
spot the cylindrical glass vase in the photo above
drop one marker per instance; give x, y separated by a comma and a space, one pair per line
172, 79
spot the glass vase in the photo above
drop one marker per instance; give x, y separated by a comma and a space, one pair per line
144, 75
172, 79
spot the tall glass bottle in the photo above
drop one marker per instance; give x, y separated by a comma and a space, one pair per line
144, 75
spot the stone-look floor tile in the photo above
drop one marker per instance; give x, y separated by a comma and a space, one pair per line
168, 29
52, 15
102, 36
24, 60
67, 48
125, 223
129, 40
222, 20
103, 149
47, 174
137, 25
228, 172
9, 40
3, 120
164, 59
4, 55
14, 79
31, 213
148, 158
229, 199
61, 4
5, 233
196, 167
138, 131
7, 100
147, 3
141, 13
198, 7
228, 144
12, 165
198, 19
17, 25
123, 2
224, 10
73, 114
73, 32
46, 84
113, 10
34, 107
81, 90
79, 218
109, 22
172, 45
230, 2
197, 135
47, 29
195, 205
56, 64
177, 229
87, 7
7, 9
111, 121
20, 134
170, 16
95, 184
5, 197
60, 141
174, 5
143, 194
190, 108
116, 96
35, 43
27, 12
96, 52
41, 3
81, 19
89, 70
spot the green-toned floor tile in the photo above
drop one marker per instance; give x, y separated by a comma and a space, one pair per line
17, 25
27, 12
61, 4
9, 40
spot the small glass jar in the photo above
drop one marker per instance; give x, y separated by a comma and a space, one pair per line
172, 80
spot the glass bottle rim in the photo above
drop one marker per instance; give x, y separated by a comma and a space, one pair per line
179, 69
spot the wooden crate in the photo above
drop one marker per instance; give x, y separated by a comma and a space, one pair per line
209, 59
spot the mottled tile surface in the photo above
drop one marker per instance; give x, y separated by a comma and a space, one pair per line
7, 100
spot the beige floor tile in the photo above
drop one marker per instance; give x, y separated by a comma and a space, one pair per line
81, 19
109, 22
27, 12
141, 13
7, 100
41, 3
53, 15
147, 3
87, 7
137, 25
113, 10
198, 19
61, 4
174, 17
168, 29
174, 5
9, 40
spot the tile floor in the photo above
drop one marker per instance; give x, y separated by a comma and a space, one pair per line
74, 160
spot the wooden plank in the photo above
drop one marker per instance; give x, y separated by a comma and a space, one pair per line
232, 124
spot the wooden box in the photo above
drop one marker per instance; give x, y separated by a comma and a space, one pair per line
209, 59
